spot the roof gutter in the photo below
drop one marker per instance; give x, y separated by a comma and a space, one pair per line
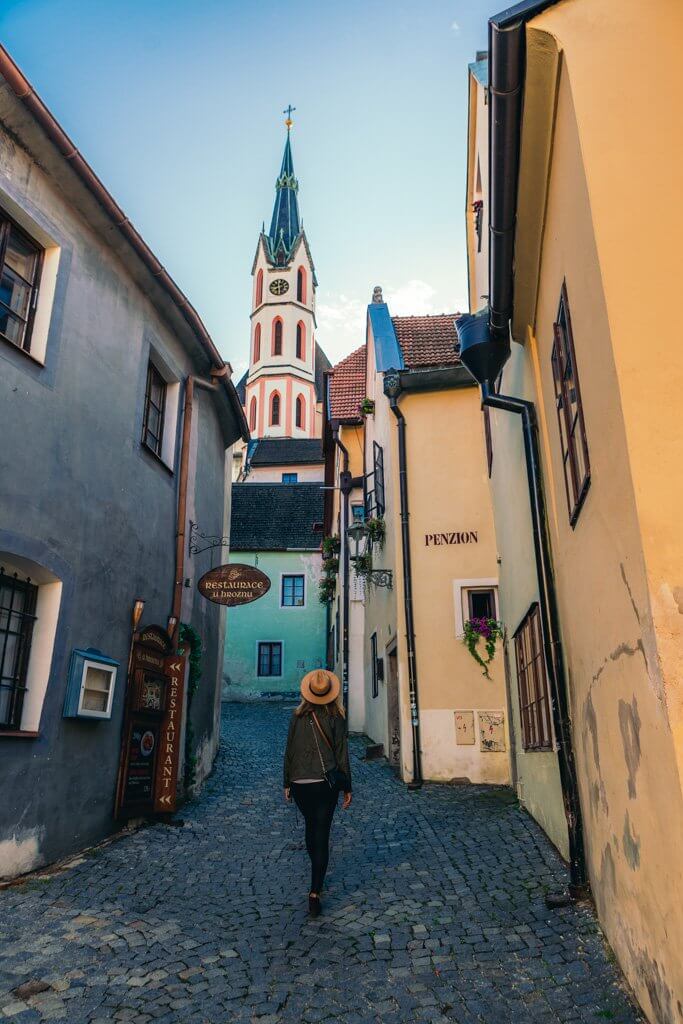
25, 92
485, 336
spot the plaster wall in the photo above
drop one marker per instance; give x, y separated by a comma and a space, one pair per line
380, 602
86, 503
623, 559
477, 190
273, 474
300, 630
449, 494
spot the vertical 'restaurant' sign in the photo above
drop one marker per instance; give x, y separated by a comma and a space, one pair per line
168, 758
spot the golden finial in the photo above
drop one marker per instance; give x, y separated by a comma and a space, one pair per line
290, 109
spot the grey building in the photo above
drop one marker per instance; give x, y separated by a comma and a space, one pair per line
117, 415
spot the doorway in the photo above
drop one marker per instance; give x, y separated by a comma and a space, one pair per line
393, 712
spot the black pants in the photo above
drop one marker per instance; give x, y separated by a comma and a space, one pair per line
317, 802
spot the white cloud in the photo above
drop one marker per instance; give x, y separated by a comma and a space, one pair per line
414, 298
341, 318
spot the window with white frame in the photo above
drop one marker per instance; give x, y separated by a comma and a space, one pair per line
160, 411
474, 599
293, 592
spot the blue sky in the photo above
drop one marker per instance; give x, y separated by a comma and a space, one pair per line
177, 106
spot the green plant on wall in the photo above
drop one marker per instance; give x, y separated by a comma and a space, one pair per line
362, 566
326, 589
367, 407
331, 546
377, 530
190, 640
488, 630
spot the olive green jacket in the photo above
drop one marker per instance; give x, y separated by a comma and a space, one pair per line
302, 760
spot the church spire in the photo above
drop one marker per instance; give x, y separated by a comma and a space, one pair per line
285, 226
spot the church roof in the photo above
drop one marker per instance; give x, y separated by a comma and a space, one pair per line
285, 225
276, 517
427, 340
285, 451
347, 387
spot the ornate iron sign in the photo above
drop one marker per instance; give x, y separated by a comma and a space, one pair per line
234, 585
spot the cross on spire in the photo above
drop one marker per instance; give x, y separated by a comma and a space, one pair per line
289, 111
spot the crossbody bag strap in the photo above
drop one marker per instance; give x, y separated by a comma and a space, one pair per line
317, 746
322, 731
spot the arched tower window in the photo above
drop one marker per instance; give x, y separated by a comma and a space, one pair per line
275, 409
300, 413
300, 341
301, 285
257, 343
277, 337
259, 288
252, 414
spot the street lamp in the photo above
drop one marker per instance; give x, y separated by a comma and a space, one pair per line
358, 532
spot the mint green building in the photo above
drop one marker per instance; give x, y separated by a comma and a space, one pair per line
272, 642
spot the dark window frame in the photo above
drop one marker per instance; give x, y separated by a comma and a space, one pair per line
373, 665
301, 285
481, 590
375, 498
294, 481
272, 647
572, 428
278, 336
275, 410
295, 576
532, 683
7, 227
300, 412
300, 341
156, 448
24, 635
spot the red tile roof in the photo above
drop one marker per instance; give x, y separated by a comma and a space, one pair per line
347, 387
427, 340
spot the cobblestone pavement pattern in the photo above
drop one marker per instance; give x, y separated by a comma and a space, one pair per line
434, 912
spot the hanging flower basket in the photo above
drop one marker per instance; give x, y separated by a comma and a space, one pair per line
377, 530
331, 546
326, 589
367, 407
488, 630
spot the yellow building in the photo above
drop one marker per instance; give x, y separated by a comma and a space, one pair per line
581, 375
413, 686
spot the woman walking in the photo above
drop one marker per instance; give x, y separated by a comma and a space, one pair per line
317, 769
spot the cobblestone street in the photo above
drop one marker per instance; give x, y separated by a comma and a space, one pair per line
433, 911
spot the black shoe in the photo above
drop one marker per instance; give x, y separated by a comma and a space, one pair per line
314, 906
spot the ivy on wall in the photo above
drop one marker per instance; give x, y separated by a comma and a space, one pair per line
190, 639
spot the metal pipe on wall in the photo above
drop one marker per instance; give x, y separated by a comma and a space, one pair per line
552, 641
392, 389
346, 603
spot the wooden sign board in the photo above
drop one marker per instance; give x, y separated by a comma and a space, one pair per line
234, 585
168, 757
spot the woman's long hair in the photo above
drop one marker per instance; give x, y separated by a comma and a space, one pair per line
334, 708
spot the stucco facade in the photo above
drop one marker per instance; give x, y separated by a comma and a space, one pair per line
584, 222
299, 630
88, 513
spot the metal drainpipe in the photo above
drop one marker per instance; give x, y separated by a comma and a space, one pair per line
345, 489
392, 389
181, 516
551, 635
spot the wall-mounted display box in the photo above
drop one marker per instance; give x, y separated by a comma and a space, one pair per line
90, 685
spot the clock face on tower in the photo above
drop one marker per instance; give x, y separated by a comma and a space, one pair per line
279, 287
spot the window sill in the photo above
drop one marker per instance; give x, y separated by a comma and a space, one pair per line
157, 458
22, 351
19, 734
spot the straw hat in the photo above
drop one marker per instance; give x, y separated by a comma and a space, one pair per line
320, 686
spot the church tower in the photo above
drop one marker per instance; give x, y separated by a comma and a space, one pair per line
283, 386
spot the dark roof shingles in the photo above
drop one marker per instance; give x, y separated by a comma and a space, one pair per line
276, 517
285, 451
427, 340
